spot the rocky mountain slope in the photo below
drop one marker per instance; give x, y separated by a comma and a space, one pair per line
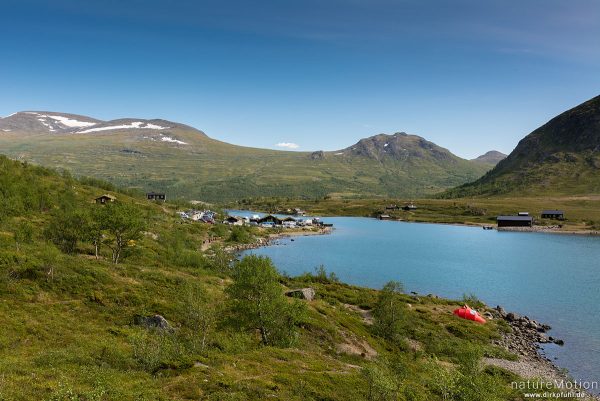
185, 162
561, 157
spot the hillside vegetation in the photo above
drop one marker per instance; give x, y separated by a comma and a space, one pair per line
166, 156
79, 325
562, 157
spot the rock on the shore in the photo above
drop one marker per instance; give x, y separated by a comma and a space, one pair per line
525, 336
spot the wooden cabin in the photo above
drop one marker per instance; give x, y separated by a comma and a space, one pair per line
270, 219
553, 214
104, 199
514, 221
234, 221
156, 196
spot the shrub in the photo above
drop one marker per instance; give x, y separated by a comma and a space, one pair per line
154, 350
382, 383
320, 275
473, 301
66, 229
389, 312
200, 317
239, 235
23, 233
259, 303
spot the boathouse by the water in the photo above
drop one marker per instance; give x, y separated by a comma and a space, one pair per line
514, 221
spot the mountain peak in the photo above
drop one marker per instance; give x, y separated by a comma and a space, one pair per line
490, 157
560, 157
398, 146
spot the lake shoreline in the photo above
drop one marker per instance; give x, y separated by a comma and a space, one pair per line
534, 229
272, 238
523, 341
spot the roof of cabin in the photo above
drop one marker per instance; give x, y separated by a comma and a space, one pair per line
514, 218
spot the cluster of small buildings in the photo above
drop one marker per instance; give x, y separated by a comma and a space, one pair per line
406, 208
152, 196
271, 221
204, 216
523, 219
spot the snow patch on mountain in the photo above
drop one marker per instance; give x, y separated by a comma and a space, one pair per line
50, 121
69, 122
135, 124
153, 126
164, 138
169, 139
45, 124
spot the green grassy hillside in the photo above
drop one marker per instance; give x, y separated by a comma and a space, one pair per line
198, 167
70, 321
560, 158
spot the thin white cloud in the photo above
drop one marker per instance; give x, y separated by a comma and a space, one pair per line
289, 145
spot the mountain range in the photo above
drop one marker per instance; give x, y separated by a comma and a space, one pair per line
562, 157
184, 162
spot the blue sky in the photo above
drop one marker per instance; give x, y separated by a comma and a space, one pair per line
468, 75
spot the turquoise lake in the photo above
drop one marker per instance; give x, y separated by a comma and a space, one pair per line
552, 278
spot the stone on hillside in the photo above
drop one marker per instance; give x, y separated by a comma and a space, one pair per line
153, 322
318, 155
302, 293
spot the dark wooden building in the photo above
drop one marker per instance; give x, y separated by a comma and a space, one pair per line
271, 219
553, 214
104, 199
234, 220
157, 196
514, 221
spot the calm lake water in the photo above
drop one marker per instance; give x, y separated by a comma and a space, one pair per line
552, 278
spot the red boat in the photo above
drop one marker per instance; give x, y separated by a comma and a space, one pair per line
470, 314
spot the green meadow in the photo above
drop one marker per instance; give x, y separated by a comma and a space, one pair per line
71, 317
